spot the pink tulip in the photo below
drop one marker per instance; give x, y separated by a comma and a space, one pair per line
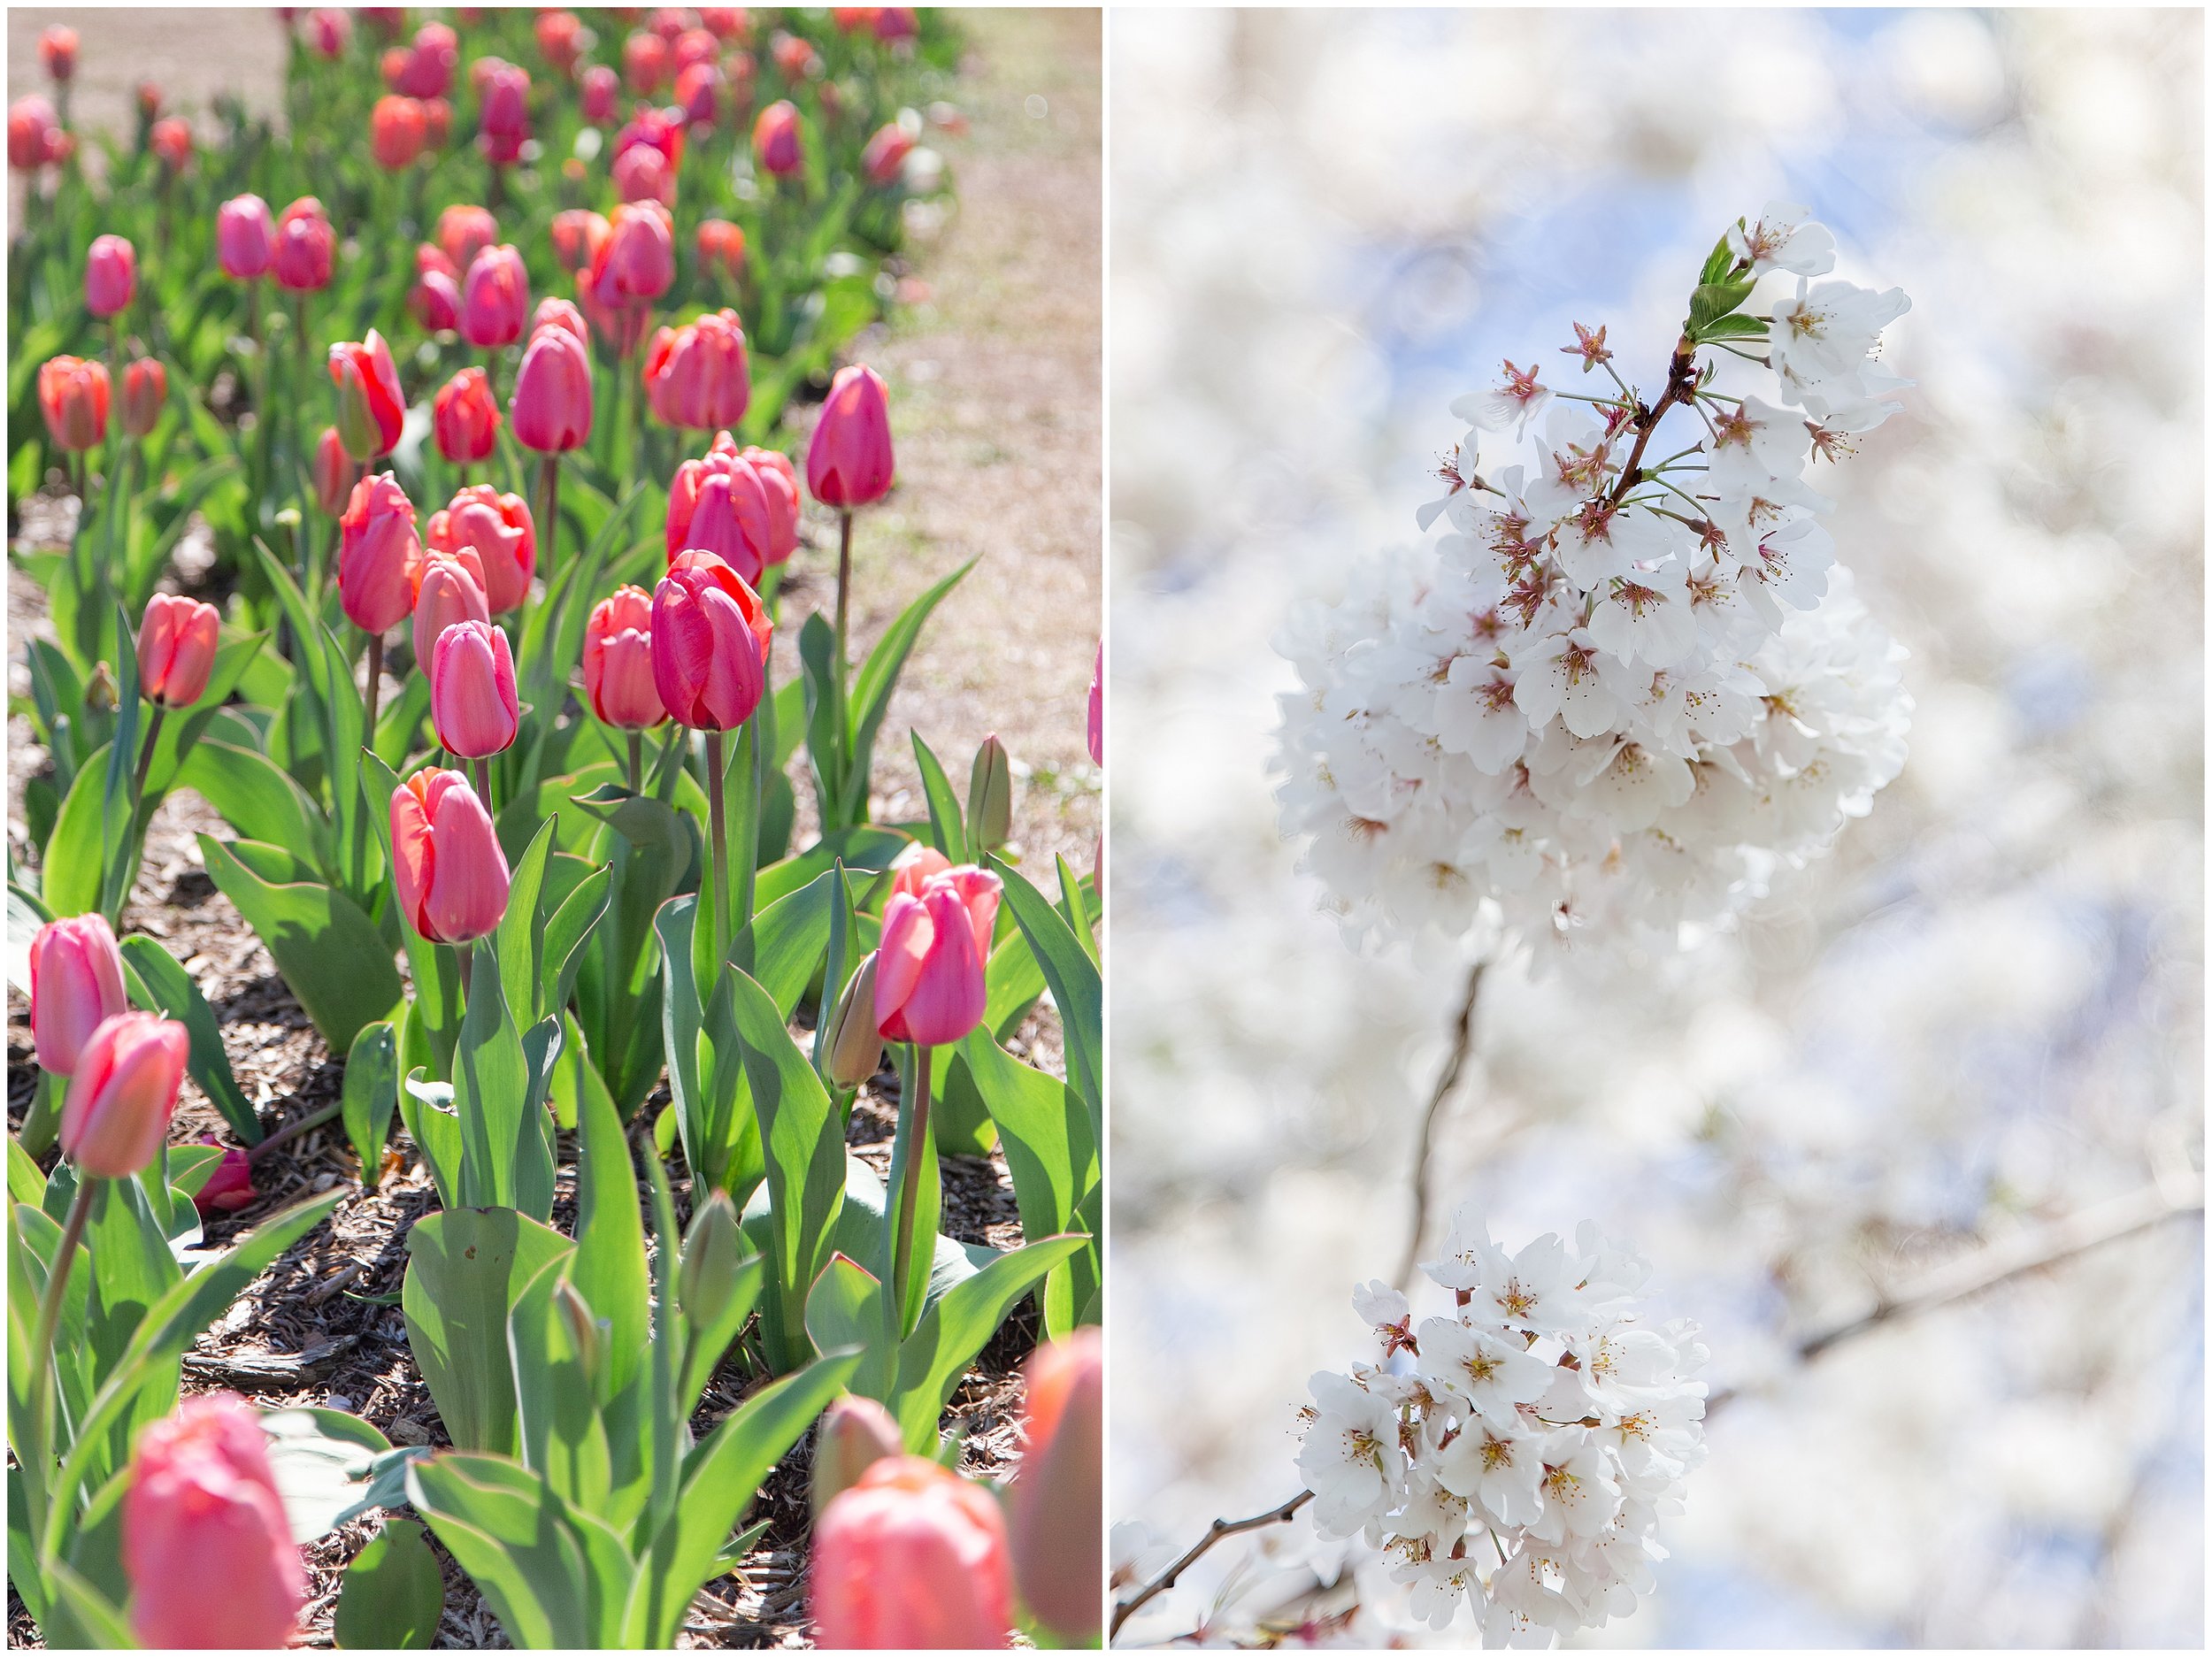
435, 301
577, 233
122, 1093
699, 91
496, 299
710, 641
72, 395
503, 118
1060, 1490
644, 175
306, 243
379, 556
776, 140
472, 702
696, 376
644, 63
372, 409
35, 136
206, 1546
780, 479
501, 531
694, 46
334, 473
601, 86
558, 313
451, 591
176, 650
551, 407
635, 265
57, 50
913, 1556
76, 983
619, 661
229, 1188
721, 248
886, 154
145, 388
446, 867
169, 138
398, 130
849, 460
328, 29
426, 71
557, 42
465, 230
245, 237
464, 418
929, 978
110, 276
720, 504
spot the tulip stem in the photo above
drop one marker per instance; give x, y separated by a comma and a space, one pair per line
370, 690
718, 876
637, 761
757, 788
38, 1466
312, 1120
465, 954
146, 757
844, 580
484, 782
910, 1183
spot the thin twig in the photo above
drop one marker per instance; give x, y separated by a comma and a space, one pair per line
1462, 1044
1220, 1529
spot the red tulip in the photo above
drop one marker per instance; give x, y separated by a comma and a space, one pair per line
780, 478
551, 406
644, 63
656, 129
465, 231
73, 395
122, 1093
643, 174
145, 388
557, 42
619, 661
725, 22
245, 237
76, 984
558, 313
886, 154
849, 460
601, 86
435, 301
776, 140
465, 419
699, 91
577, 233
334, 473
637, 262
380, 556
229, 1188
305, 245
710, 639
503, 115
472, 700
929, 972
668, 22
110, 276
206, 1545
328, 29
721, 247
370, 408
720, 504
496, 299
696, 376
148, 100
171, 139
176, 650
500, 529
398, 130
913, 1556
451, 592
57, 51
448, 870
1060, 1490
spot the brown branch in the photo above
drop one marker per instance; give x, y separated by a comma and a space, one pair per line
1220, 1529
1462, 1044
1681, 382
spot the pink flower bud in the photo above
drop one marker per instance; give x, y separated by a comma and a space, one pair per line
496, 299
379, 556
76, 983
73, 395
503, 118
551, 405
305, 245
398, 130
499, 529
855, 1433
427, 70
558, 313
447, 868
601, 86
913, 1556
721, 248
886, 154
644, 175
1060, 1490
848, 461
619, 661
171, 140
110, 276
929, 974
776, 140
644, 63
557, 42
696, 376
451, 591
577, 233
122, 1093
472, 701
229, 1188
699, 90
435, 301
245, 237
328, 29
145, 388
693, 46
464, 418
371, 409
710, 639
57, 51
637, 262
465, 230
206, 1543
176, 650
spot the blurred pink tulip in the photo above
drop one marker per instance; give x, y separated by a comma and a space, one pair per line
913, 1556
696, 376
776, 140
1059, 1493
110, 276
495, 299
176, 650
76, 983
245, 237
122, 1093
849, 459
465, 419
306, 243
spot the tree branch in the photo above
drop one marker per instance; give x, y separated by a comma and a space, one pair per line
1220, 1529
1462, 1044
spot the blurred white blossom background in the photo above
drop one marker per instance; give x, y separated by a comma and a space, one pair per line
1981, 1014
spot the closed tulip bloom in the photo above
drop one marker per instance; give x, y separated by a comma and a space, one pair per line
696, 376
371, 410
894, 24
853, 1050
496, 299
710, 639
699, 91
911, 1556
503, 115
464, 419
57, 51
849, 460
577, 233
557, 42
245, 237
425, 70
122, 1093
399, 128
641, 174
206, 1545
435, 301
929, 977
451, 592
450, 876
176, 650
796, 58
73, 395
599, 87
695, 45
171, 140
465, 231
76, 984
886, 154
720, 504
32, 128
853, 1434
721, 248
1059, 1492
668, 22
110, 276
306, 243
229, 1188
334, 473
644, 63
915, 867
776, 140
328, 29
780, 478
558, 313
379, 556
637, 262
145, 388
499, 528
551, 406
473, 700
619, 661
657, 129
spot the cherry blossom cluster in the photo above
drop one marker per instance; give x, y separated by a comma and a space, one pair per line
1518, 1454
1630, 677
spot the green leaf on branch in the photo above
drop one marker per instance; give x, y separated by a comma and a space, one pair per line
1736, 326
1714, 300
1717, 262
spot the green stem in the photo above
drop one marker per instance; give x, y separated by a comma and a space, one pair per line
756, 789
146, 757
372, 690
465, 955
840, 734
910, 1183
484, 780
37, 1467
637, 761
718, 874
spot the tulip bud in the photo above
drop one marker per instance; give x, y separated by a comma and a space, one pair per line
171, 140
437, 121
305, 245
176, 650
473, 700
853, 1046
446, 867
911, 1556
587, 1333
76, 984
558, 313
795, 57
334, 473
699, 91
551, 406
776, 140
465, 230
694, 46
706, 1277
557, 42
72, 395
122, 1093
449, 592
371, 409
504, 114
464, 418
619, 661
148, 96
110, 276
697, 376
644, 63
229, 1188
57, 51
206, 1546
99, 692
499, 529
577, 233
435, 302
327, 31
145, 388
644, 175
245, 237
990, 796
1060, 1490
496, 299
379, 556
721, 248
599, 87
399, 129
710, 639
853, 1434
929, 981
723, 505
886, 154
849, 460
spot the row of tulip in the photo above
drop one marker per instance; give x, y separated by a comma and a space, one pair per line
564, 800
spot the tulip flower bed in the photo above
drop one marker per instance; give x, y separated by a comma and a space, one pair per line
448, 575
